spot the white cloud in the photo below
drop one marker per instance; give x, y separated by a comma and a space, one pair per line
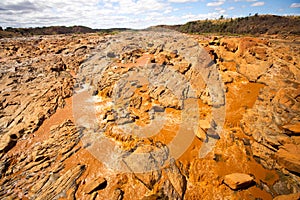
295, 5
92, 13
259, 3
216, 3
192, 17
169, 10
245, 0
222, 11
106, 13
181, 1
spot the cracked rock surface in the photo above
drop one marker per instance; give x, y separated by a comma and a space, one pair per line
132, 116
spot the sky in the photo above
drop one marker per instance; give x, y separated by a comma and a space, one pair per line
133, 13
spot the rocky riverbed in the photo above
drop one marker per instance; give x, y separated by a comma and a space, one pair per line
150, 115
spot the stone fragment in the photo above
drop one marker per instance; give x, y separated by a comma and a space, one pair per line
157, 108
177, 180
289, 157
295, 196
94, 196
110, 118
7, 142
294, 128
94, 185
200, 133
238, 180
230, 44
62, 184
118, 194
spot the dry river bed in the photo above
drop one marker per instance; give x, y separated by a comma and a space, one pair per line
48, 152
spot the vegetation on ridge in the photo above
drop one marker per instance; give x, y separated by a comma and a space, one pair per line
53, 30
257, 24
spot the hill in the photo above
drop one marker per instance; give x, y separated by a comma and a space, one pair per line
257, 24
254, 25
53, 30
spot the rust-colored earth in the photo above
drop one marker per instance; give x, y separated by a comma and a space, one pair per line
43, 156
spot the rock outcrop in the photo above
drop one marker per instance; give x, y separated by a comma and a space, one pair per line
130, 116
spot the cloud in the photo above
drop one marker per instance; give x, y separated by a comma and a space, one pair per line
192, 17
259, 3
245, 0
222, 11
18, 6
216, 3
109, 13
181, 1
92, 13
295, 5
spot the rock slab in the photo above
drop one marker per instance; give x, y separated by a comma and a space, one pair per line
288, 197
96, 184
289, 157
238, 180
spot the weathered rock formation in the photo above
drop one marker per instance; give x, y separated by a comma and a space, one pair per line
146, 94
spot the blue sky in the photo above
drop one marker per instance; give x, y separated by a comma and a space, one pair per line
133, 13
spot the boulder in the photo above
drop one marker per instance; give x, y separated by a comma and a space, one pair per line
230, 44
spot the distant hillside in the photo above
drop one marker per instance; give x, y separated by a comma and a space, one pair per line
257, 24
52, 30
